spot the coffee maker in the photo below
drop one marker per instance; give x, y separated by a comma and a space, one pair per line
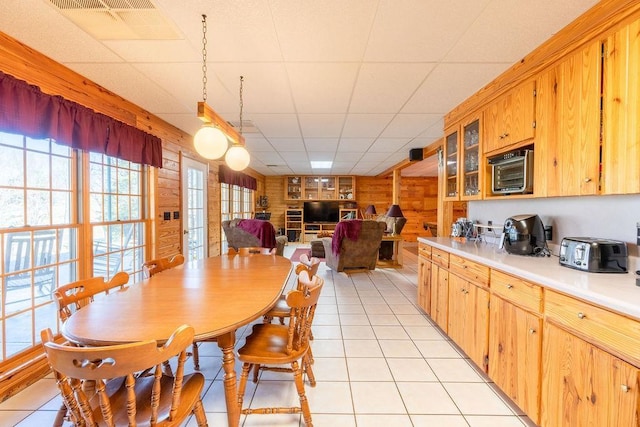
524, 235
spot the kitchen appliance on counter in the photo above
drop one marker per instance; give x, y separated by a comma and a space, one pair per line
524, 235
512, 172
594, 255
463, 227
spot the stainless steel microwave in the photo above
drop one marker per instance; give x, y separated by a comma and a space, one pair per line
512, 172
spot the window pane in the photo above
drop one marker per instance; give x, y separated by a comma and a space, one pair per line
38, 208
12, 166
61, 204
12, 139
136, 212
19, 333
60, 149
38, 173
12, 202
38, 144
95, 178
95, 207
123, 208
61, 177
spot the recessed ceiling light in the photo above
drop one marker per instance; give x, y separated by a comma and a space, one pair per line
315, 164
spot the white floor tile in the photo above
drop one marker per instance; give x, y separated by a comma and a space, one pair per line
438, 420
327, 348
368, 369
383, 319
377, 398
411, 370
330, 398
426, 398
357, 332
330, 369
362, 348
353, 319
383, 420
395, 332
437, 349
493, 421
454, 370
399, 348
476, 399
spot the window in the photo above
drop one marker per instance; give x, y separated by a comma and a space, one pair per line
38, 236
116, 216
235, 202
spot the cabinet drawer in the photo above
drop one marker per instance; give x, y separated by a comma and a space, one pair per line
520, 292
613, 332
472, 271
440, 257
424, 250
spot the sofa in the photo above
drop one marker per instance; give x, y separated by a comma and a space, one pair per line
245, 233
354, 245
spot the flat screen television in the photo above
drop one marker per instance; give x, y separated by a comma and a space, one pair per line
321, 211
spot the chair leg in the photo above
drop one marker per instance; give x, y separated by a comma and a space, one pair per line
304, 403
196, 357
201, 417
246, 367
306, 364
60, 416
256, 373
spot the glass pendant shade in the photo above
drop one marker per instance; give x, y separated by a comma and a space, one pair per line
210, 142
237, 157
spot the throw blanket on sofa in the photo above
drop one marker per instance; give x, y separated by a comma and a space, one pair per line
263, 230
349, 229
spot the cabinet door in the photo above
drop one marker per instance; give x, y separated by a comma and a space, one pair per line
327, 187
510, 119
515, 346
583, 385
424, 284
439, 295
621, 147
468, 319
470, 178
346, 188
293, 188
451, 190
567, 148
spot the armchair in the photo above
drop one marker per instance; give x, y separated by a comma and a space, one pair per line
243, 233
355, 244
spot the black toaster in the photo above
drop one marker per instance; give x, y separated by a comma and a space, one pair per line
594, 255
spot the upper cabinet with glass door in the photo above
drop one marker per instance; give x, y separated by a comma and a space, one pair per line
293, 188
319, 188
451, 164
470, 164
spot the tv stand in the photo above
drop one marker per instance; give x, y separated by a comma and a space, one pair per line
311, 229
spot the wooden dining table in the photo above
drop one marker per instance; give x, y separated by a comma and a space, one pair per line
216, 296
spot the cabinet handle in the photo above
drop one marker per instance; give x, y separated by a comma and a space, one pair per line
581, 315
504, 135
625, 388
509, 286
532, 331
587, 180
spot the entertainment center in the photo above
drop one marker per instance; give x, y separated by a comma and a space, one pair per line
318, 203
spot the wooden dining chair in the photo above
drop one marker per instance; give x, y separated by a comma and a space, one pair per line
281, 310
73, 296
117, 395
155, 266
272, 344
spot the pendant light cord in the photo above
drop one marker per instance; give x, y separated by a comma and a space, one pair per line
241, 102
204, 57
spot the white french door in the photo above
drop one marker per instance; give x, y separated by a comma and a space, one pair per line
194, 208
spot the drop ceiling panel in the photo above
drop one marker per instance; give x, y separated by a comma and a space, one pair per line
321, 144
162, 51
322, 88
388, 145
321, 125
277, 125
359, 145
345, 27
419, 30
266, 86
409, 125
349, 156
288, 144
449, 84
293, 157
257, 143
401, 81
365, 125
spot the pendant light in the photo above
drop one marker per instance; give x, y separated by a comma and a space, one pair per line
209, 141
237, 157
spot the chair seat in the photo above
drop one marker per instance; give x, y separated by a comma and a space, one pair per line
267, 343
192, 387
280, 308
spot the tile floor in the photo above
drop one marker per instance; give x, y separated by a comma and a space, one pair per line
379, 361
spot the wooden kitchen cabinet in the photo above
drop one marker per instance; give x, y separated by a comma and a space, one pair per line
515, 340
440, 287
424, 277
583, 385
620, 147
567, 146
510, 118
588, 358
463, 156
468, 321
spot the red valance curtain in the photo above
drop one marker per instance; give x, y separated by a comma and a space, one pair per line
229, 176
26, 110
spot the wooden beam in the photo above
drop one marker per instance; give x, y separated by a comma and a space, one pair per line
208, 115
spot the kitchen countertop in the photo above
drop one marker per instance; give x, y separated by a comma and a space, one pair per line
617, 292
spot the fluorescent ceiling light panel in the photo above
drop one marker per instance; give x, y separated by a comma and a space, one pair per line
315, 164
